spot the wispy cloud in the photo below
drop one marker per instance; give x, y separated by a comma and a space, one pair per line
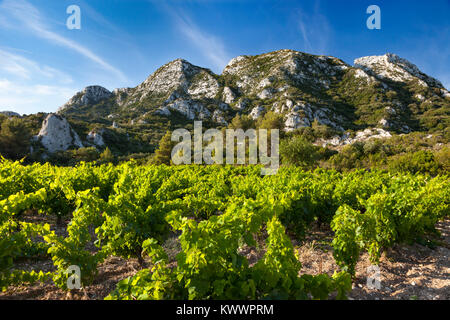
315, 30
25, 98
209, 45
29, 17
24, 68
28, 87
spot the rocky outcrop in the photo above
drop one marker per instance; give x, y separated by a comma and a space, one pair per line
258, 74
96, 137
10, 114
121, 95
295, 121
228, 95
180, 77
345, 139
391, 66
256, 112
445, 93
266, 93
301, 87
89, 96
190, 109
57, 135
242, 104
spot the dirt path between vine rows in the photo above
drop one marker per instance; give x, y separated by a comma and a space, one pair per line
406, 271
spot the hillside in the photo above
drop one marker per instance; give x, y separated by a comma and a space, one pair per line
384, 92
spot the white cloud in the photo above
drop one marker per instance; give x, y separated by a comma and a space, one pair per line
28, 16
210, 46
31, 98
20, 67
28, 87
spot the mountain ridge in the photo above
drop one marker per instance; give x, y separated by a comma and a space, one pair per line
386, 92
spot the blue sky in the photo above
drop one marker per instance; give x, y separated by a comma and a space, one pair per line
121, 42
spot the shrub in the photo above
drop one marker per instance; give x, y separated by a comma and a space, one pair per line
299, 152
14, 139
417, 162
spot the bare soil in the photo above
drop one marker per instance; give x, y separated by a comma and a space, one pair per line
407, 271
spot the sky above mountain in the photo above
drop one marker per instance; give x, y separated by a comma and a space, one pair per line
121, 42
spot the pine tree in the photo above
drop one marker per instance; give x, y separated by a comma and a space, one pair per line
106, 156
163, 154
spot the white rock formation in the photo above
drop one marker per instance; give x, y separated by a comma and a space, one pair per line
234, 65
419, 97
391, 66
89, 95
96, 137
266, 93
121, 94
321, 116
190, 109
242, 104
178, 75
228, 95
256, 112
445, 93
295, 121
57, 135
360, 73
365, 135
206, 87
385, 123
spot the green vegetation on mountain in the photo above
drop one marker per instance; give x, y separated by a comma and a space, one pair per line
319, 98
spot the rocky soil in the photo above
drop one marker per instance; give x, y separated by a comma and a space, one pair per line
408, 272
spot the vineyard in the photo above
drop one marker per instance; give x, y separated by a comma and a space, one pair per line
213, 212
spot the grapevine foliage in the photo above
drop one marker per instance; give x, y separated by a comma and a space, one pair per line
213, 212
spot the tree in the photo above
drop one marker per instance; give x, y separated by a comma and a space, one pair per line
349, 158
299, 152
271, 120
243, 122
14, 139
106, 156
163, 154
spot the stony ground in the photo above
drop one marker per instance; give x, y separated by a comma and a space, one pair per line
407, 271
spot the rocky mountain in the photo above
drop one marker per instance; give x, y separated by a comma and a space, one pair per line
89, 96
380, 92
10, 114
392, 67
